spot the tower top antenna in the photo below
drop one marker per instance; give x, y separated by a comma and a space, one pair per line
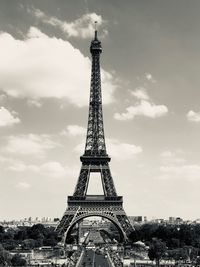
95, 24
95, 33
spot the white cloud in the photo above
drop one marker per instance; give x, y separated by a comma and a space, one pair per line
166, 154
172, 157
140, 93
183, 172
34, 103
53, 169
82, 27
47, 67
74, 130
23, 185
144, 108
175, 167
2, 98
80, 147
122, 151
149, 77
116, 149
30, 144
7, 118
19, 166
193, 116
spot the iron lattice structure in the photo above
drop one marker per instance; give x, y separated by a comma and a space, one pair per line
95, 159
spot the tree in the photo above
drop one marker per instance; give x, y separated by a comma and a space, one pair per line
187, 235
1, 229
147, 231
157, 250
173, 243
134, 236
37, 231
28, 244
21, 234
178, 254
192, 253
9, 244
4, 257
17, 260
197, 263
138, 250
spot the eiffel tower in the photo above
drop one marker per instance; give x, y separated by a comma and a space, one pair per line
95, 159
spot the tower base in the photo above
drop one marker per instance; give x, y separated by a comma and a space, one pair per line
110, 208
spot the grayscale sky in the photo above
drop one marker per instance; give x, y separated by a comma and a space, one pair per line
150, 81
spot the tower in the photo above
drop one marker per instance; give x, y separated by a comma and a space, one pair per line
95, 159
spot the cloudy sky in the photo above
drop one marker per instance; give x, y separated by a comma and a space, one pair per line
150, 81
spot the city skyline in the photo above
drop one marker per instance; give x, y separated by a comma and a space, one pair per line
150, 81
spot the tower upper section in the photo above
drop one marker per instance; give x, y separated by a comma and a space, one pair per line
95, 141
95, 47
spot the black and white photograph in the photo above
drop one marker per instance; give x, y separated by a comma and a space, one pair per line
100, 133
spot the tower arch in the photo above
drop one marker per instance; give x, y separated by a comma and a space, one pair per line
96, 214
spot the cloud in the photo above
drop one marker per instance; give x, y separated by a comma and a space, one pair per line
140, 93
172, 157
34, 103
79, 149
30, 144
122, 151
187, 172
19, 166
166, 154
52, 169
175, 167
7, 118
23, 185
74, 130
149, 77
2, 98
15, 165
82, 27
144, 108
116, 149
193, 116
47, 67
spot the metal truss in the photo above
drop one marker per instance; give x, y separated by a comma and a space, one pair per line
111, 211
95, 159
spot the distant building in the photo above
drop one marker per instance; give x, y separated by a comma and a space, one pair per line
172, 220
159, 221
135, 219
179, 220
175, 220
197, 221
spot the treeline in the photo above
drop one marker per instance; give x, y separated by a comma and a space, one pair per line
170, 242
28, 237
174, 236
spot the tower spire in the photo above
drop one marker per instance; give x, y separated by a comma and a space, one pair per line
95, 33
